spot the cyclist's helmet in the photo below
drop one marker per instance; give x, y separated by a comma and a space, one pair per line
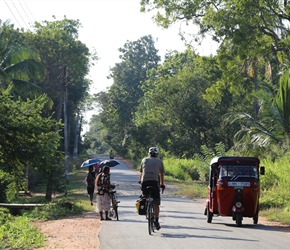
153, 151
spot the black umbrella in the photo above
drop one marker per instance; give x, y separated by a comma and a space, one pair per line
109, 163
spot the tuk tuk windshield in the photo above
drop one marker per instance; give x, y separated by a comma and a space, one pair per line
230, 172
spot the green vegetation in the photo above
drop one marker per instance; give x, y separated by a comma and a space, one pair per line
192, 107
17, 232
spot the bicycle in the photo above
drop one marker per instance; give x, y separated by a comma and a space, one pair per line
114, 203
149, 206
150, 210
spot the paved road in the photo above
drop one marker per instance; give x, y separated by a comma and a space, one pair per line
183, 224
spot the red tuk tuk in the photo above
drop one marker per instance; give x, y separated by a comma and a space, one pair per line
234, 188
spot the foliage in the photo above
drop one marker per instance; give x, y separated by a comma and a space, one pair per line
18, 232
26, 138
5, 189
120, 103
61, 207
228, 20
272, 124
67, 61
58, 45
19, 63
275, 183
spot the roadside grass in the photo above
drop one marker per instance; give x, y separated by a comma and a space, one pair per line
193, 190
281, 215
16, 232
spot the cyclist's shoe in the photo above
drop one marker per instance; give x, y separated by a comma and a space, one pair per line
108, 218
157, 225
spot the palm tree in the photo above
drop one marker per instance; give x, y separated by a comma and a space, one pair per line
273, 122
19, 65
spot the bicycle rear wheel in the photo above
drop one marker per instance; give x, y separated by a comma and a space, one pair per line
150, 217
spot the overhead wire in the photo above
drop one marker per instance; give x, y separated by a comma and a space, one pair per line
24, 11
20, 10
20, 15
29, 10
12, 13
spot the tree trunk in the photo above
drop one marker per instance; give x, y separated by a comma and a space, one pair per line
257, 107
49, 188
66, 138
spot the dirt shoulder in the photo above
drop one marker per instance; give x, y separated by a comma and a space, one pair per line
79, 232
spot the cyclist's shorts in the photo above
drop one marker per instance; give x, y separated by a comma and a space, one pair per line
156, 191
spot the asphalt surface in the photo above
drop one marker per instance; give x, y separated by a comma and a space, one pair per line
183, 223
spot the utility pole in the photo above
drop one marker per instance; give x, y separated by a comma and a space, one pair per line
65, 123
77, 133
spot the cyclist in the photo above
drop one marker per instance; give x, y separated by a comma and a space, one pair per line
152, 174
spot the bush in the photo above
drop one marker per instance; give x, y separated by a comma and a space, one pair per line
18, 233
60, 208
5, 179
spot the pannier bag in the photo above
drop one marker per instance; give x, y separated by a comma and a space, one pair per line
141, 206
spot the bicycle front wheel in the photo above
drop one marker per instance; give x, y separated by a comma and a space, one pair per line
116, 212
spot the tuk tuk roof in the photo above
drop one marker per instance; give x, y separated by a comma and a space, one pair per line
233, 159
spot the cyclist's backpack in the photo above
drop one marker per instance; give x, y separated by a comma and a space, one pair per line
141, 205
90, 180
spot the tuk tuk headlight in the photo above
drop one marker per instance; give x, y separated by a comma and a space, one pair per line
238, 204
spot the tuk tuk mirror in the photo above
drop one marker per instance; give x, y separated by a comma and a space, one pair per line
262, 170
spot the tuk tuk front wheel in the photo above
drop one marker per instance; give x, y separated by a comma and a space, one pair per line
208, 216
239, 218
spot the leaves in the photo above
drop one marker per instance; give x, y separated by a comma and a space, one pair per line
26, 137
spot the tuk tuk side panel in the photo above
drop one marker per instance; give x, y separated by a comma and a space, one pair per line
251, 201
225, 201
212, 191
212, 200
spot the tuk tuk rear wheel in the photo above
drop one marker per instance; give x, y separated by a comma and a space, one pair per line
255, 219
209, 216
239, 218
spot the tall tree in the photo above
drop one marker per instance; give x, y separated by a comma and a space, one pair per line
227, 19
122, 99
253, 31
27, 138
67, 61
173, 109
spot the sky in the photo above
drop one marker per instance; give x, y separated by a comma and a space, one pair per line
106, 26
